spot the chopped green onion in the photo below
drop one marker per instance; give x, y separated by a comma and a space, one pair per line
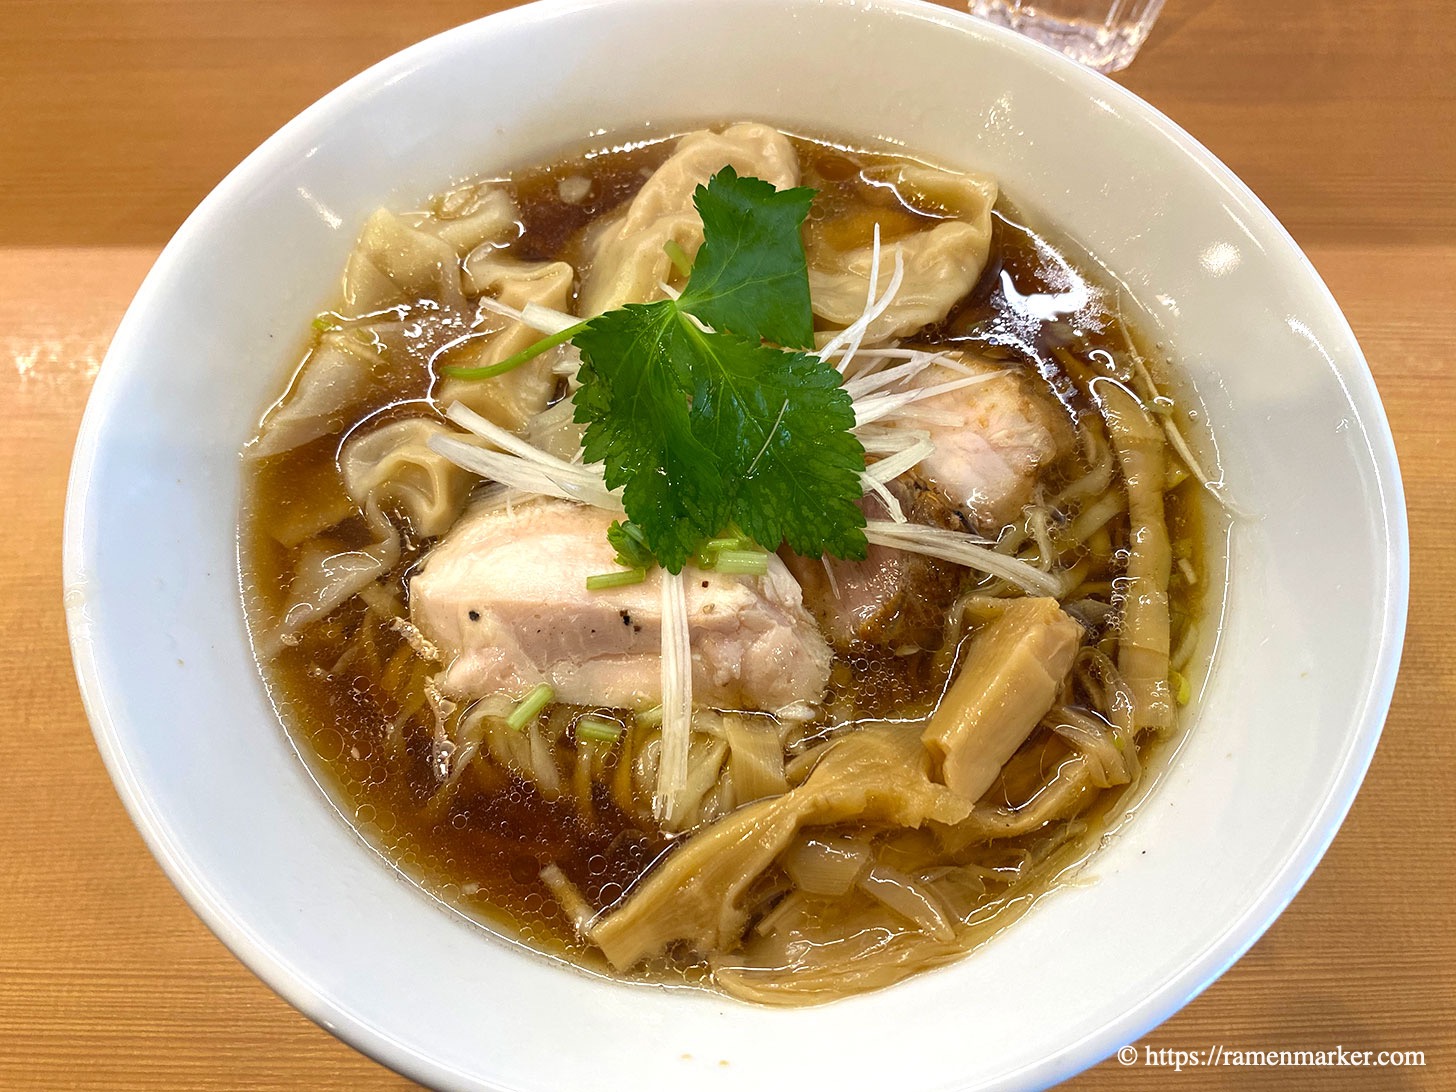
649, 718
749, 562
536, 699
705, 561
598, 729
511, 362
678, 256
620, 579
324, 323
736, 542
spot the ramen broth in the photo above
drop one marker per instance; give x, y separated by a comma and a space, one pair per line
350, 688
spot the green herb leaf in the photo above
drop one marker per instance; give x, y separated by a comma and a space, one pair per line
780, 423
707, 428
633, 399
703, 428
751, 277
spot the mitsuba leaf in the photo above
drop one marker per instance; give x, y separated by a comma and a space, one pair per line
699, 421
779, 423
633, 400
751, 277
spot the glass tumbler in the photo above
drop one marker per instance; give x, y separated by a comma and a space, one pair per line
1102, 34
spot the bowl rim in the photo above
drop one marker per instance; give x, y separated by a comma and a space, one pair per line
1158, 1004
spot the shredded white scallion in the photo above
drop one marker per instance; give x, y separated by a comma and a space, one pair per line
846, 343
578, 911
887, 440
543, 427
677, 701
961, 549
879, 474
914, 361
879, 406
829, 573
547, 319
568, 363
505, 310
520, 465
888, 499
877, 378
892, 466
504, 439
853, 343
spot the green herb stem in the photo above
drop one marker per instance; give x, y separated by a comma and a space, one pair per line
737, 542
745, 562
620, 579
510, 363
598, 729
536, 699
678, 256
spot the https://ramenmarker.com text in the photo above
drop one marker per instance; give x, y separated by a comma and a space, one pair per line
1337, 1055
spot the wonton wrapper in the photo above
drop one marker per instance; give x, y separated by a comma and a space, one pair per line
392, 467
474, 216
626, 262
942, 263
324, 579
509, 400
334, 378
395, 263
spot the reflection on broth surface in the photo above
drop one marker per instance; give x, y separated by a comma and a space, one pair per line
884, 760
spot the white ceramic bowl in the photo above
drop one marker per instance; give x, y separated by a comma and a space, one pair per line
1281, 737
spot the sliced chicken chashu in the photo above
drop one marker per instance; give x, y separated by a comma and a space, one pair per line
892, 598
504, 598
992, 439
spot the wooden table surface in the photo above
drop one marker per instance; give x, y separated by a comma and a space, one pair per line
117, 116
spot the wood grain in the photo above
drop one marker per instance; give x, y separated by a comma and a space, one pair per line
116, 117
